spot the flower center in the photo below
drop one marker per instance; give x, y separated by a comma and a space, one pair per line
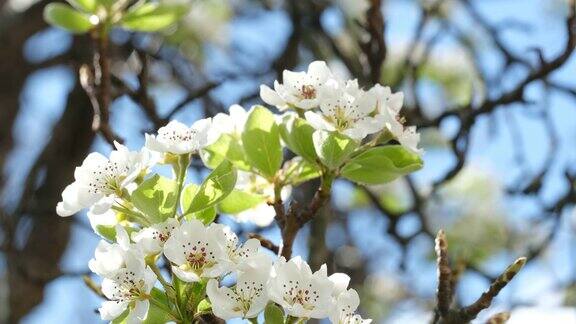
303, 296
308, 92
107, 178
339, 118
177, 136
199, 258
127, 288
161, 236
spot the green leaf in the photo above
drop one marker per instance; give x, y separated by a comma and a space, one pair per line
225, 148
239, 201
333, 148
261, 140
206, 216
273, 314
381, 164
156, 198
106, 231
152, 16
204, 306
85, 5
66, 17
188, 194
299, 170
297, 134
214, 189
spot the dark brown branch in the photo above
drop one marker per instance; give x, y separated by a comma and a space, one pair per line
292, 220
97, 84
375, 47
264, 242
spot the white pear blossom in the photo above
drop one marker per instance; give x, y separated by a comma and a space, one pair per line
344, 311
247, 298
300, 292
128, 288
151, 239
177, 138
100, 177
346, 109
232, 123
110, 257
261, 214
237, 256
388, 110
195, 251
300, 89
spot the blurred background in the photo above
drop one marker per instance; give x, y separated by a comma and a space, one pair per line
489, 83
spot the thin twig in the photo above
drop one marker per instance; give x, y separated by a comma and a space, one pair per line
264, 242
444, 292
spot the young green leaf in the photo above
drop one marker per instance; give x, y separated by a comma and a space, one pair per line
261, 141
273, 314
106, 231
297, 134
156, 198
206, 216
225, 148
239, 201
152, 16
66, 17
214, 189
333, 148
381, 164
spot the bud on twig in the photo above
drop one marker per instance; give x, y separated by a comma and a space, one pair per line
485, 300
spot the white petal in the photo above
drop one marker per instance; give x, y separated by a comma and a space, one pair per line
173, 250
292, 80
110, 310
153, 144
69, 204
202, 127
319, 70
318, 122
355, 133
395, 101
187, 276
270, 97
340, 281
139, 313
107, 219
122, 237
223, 304
62, 210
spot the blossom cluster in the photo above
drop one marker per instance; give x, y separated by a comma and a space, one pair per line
154, 227
207, 254
333, 104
